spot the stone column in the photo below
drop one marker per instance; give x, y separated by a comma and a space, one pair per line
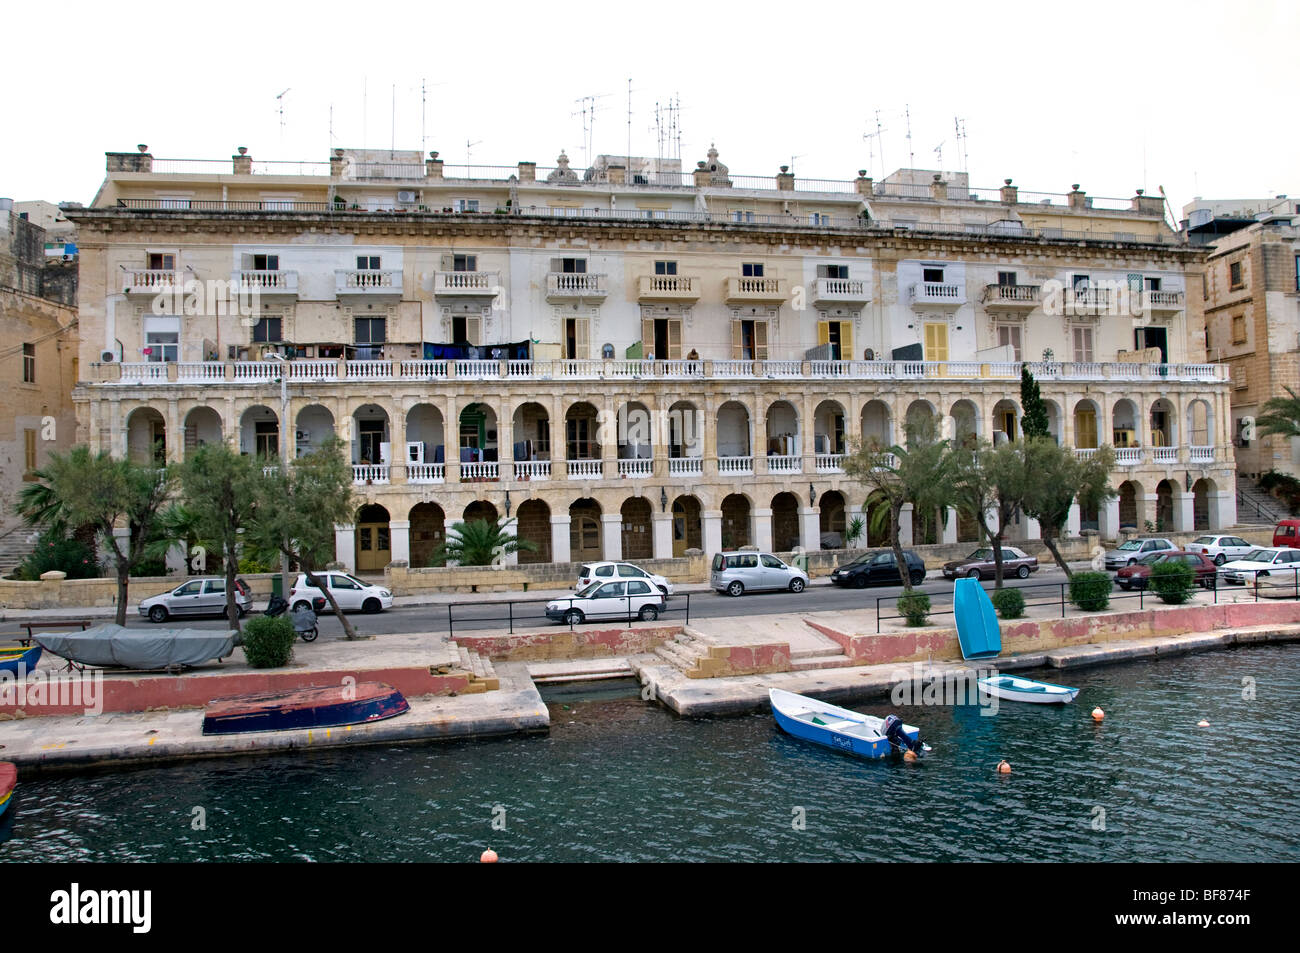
505, 443
399, 536
449, 533
1223, 509
611, 535
1108, 519
810, 528
1030, 528
950, 525
1074, 522
763, 529
661, 525
1184, 513
711, 527
905, 525
345, 546
450, 441
560, 538
397, 445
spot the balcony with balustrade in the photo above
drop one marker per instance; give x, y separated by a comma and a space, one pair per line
1012, 297
152, 281
937, 295
840, 291
563, 287
1162, 303
461, 285
368, 285
584, 469
365, 474
755, 290
426, 473
269, 285
669, 288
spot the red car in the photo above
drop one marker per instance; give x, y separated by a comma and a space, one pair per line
1137, 575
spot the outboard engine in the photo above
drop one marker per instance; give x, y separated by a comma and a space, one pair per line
894, 734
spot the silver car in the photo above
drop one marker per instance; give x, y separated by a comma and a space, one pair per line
194, 597
736, 573
1128, 553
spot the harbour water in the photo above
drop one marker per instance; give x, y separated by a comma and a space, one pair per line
619, 779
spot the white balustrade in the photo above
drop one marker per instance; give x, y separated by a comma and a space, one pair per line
519, 369
685, 466
256, 370
150, 371
733, 466
480, 369
1202, 455
422, 370
584, 469
479, 470
1165, 454
310, 370
425, 472
200, 371
370, 370
830, 463
532, 469
1128, 456
370, 473
782, 463
1084, 453
636, 469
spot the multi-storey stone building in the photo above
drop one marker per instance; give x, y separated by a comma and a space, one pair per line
634, 361
1252, 314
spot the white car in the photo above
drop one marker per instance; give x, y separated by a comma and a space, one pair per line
610, 571
1128, 553
1283, 563
1221, 549
349, 592
609, 600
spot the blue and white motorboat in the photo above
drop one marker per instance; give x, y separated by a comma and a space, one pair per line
1016, 689
831, 726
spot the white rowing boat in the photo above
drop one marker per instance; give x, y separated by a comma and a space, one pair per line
1016, 689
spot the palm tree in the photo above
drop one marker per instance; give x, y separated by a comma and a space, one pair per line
480, 543
1281, 416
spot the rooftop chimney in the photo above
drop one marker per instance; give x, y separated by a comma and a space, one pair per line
1077, 199
1148, 204
433, 166
785, 179
1010, 193
139, 161
938, 188
242, 163
864, 183
528, 172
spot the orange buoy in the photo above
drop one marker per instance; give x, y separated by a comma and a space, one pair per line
1202, 724
1004, 767
1098, 714
909, 755
489, 857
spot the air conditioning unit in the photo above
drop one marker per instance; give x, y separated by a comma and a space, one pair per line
108, 357
406, 196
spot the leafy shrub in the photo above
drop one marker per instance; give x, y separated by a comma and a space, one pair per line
914, 607
1010, 603
268, 642
1173, 581
1090, 591
57, 552
252, 563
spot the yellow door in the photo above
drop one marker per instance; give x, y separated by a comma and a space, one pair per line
936, 342
374, 547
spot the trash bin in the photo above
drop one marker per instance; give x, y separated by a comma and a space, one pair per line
277, 585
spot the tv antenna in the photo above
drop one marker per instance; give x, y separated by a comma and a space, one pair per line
938, 152
588, 114
911, 156
959, 128
279, 99
879, 142
468, 147
802, 155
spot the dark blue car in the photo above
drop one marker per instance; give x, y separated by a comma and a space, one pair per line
879, 569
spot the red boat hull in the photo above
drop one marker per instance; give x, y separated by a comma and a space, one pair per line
320, 707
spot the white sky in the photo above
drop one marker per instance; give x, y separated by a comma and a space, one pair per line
1113, 94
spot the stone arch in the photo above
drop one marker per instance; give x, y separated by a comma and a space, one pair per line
1006, 420
1131, 497
1200, 423
877, 424
531, 429
425, 435
315, 425
1166, 503
146, 436
585, 530
734, 430
1205, 504
638, 535
781, 423
688, 525
685, 430
829, 434
374, 538
785, 522
1088, 433
427, 533
920, 413
737, 515
1163, 420
202, 428
833, 520
371, 436
259, 432
534, 525
481, 510
965, 422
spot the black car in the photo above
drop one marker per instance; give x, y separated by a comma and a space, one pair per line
879, 569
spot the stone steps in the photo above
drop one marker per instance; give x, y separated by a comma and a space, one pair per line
683, 652
805, 662
483, 677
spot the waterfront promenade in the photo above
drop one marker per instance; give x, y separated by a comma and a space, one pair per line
486, 683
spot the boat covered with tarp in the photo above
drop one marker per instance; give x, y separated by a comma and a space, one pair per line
150, 649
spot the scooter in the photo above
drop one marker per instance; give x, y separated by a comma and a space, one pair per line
304, 624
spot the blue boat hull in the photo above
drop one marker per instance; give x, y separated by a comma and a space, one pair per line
977, 621
861, 747
24, 661
323, 707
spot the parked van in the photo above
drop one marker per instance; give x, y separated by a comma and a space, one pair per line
1287, 533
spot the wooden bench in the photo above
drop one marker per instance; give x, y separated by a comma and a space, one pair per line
26, 641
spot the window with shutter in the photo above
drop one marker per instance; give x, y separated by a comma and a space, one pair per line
936, 342
1009, 334
1082, 345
